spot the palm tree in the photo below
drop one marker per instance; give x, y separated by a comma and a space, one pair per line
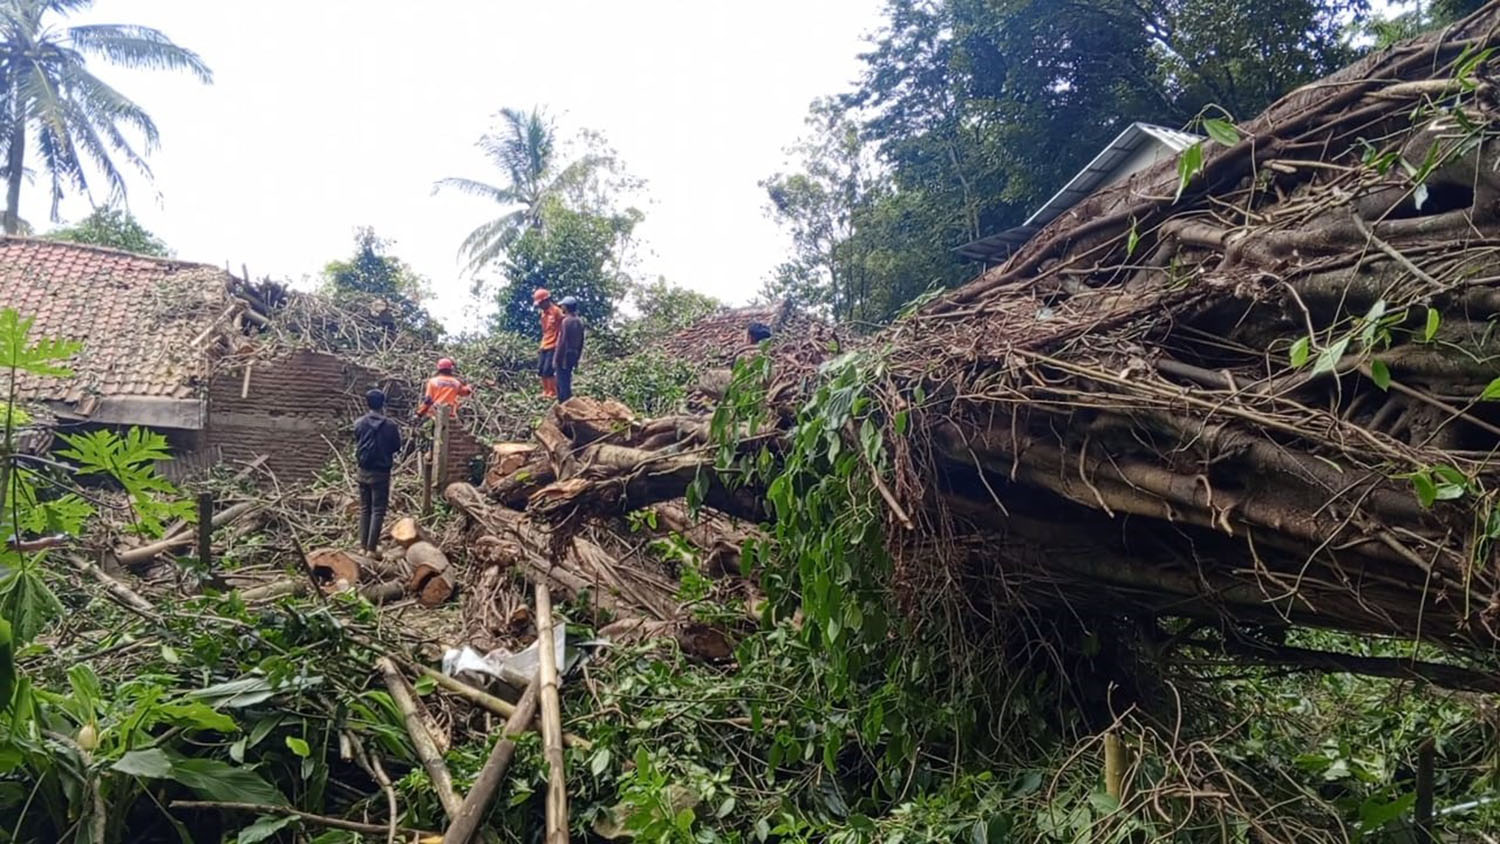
525, 151
49, 98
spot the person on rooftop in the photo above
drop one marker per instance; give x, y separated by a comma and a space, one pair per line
376, 443
552, 317
445, 388
569, 347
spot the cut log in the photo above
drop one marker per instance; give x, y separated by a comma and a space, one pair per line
513, 489
333, 569
507, 458
430, 580
406, 531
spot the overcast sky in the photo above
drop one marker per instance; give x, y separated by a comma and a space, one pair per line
330, 114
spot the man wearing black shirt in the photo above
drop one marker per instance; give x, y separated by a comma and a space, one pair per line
569, 347
376, 442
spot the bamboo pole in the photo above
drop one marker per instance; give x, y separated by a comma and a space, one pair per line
425, 461
493, 772
422, 741
557, 789
440, 446
483, 699
1114, 765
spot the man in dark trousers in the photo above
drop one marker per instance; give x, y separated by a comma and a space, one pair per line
569, 347
376, 442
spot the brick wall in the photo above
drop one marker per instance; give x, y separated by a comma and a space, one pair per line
298, 408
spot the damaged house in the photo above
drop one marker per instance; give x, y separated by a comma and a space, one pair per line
176, 347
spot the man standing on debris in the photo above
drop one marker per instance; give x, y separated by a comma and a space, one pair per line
755, 334
569, 347
376, 442
444, 388
552, 317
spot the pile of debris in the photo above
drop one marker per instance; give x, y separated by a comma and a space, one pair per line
716, 340
1253, 389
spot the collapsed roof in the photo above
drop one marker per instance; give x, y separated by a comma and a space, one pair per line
147, 326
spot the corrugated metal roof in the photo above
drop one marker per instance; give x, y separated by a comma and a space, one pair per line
1088, 180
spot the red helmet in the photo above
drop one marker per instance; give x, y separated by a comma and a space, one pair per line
540, 295
445, 363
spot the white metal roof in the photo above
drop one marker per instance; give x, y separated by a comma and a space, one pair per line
1088, 180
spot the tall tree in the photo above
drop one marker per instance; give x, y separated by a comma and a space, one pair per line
115, 228
373, 271
50, 100
525, 149
818, 205
572, 253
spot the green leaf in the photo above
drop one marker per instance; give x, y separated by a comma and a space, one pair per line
264, 827
1491, 391
197, 715
298, 746
152, 763
1375, 813
7, 666
1221, 131
1451, 475
600, 761
1189, 164
41, 358
1448, 492
1434, 319
1300, 351
1380, 374
1426, 489
218, 780
1133, 240
424, 685
1329, 357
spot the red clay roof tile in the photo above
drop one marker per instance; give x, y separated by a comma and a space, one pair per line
134, 315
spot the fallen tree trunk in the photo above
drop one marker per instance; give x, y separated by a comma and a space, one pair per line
582, 569
146, 553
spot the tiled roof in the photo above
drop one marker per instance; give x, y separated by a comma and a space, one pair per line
137, 317
714, 340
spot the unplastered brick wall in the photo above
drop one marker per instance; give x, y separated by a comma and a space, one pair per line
298, 408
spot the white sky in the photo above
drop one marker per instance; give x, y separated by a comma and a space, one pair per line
330, 114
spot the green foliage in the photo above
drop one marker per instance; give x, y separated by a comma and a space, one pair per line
970, 114
74, 122
373, 272
573, 253
648, 382
131, 462
115, 228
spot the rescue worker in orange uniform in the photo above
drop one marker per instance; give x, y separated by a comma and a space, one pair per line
552, 317
444, 388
